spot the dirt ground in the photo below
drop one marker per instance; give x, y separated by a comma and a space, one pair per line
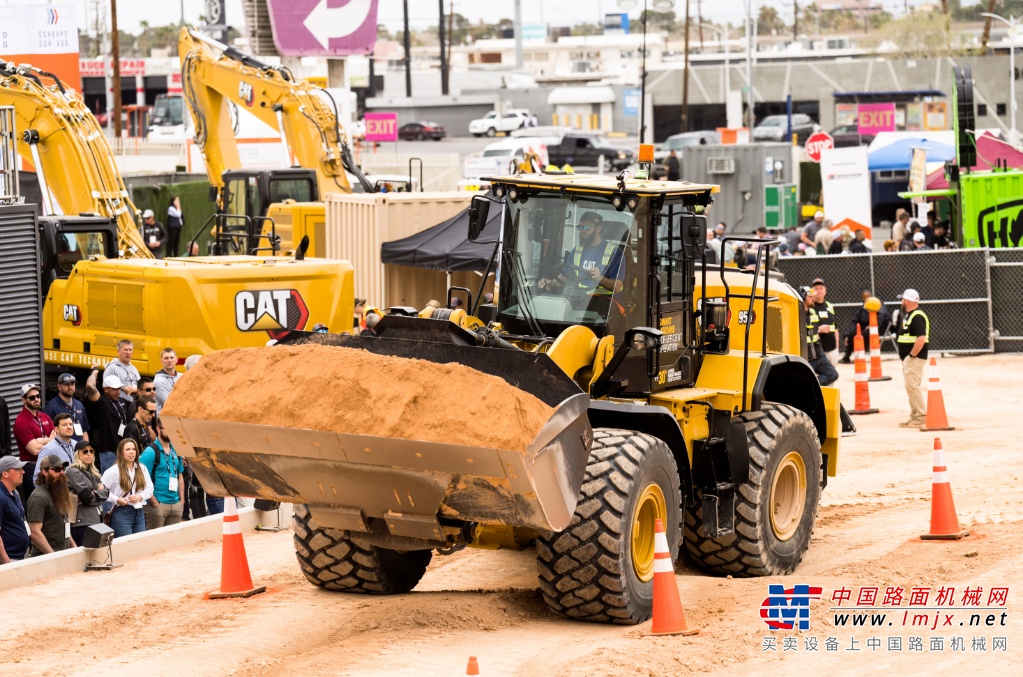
151, 614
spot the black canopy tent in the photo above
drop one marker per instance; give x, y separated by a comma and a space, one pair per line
446, 247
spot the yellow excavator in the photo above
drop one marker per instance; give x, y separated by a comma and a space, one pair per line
214, 77
677, 392
100, 281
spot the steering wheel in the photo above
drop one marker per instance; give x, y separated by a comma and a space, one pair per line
573, 273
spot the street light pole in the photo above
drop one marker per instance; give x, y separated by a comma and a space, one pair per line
1011, 23
751, 115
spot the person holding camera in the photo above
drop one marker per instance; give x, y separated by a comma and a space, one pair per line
83, 479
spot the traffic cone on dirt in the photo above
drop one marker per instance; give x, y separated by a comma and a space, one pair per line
944, 522
235, 579
669, 618
862, 387
936, 419
473, 668
875, 342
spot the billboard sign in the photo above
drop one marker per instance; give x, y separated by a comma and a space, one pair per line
872, 118
381, 126
45, 36
845, 187
630, 102
323, 27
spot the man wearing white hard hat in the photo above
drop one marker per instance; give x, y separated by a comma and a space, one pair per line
108, 414
153, 232
811, 228
913, 337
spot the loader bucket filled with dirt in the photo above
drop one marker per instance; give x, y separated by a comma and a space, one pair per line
416, 433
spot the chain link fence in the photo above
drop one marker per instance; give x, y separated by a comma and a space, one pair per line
955, 289
1006, 267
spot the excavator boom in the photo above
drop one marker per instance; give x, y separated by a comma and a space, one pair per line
63, 141
214, 75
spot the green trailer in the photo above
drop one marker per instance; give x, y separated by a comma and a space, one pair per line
983, 206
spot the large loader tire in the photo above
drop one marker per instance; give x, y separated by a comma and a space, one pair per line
601, 567
331, 560
775, 511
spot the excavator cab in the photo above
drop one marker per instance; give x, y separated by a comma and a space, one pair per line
248, 196
66, 240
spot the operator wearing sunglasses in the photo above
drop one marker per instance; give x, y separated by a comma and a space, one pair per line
599, 258
33, 430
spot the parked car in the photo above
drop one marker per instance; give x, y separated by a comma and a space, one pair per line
420, 131
582, 149
849, 135
494, 122
679, 141
514, 149
774, 127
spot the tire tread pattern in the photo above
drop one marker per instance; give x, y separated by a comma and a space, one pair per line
580, 568
331, 560
743, 553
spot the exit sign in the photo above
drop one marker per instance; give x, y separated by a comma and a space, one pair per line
381, 126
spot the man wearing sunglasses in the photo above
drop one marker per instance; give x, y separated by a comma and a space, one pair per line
599, 258
33, 430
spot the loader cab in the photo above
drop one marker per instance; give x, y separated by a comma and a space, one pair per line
640, 243
66, 240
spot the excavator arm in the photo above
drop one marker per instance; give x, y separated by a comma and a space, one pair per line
215, 75
63, 141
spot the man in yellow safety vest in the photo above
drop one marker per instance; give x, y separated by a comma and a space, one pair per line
913, 339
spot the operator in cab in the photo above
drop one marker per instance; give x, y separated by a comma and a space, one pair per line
594, 256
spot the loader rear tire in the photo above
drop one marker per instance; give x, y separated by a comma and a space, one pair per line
771, 537
331, 560
600, 568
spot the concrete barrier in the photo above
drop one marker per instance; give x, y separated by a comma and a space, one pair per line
136, 546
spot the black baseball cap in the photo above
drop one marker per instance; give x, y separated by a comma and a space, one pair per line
65, 379
817, 281
84, 444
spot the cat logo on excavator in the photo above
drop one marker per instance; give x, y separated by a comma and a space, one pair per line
275, 311
246, 93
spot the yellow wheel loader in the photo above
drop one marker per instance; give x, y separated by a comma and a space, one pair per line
677, 391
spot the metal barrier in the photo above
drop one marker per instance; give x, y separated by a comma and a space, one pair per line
1006, 267
955, 288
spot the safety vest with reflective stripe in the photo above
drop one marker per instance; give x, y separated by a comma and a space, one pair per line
605, 259
905, 336
812, 322
831, 316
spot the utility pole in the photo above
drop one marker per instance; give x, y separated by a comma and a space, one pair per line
795, 19
518, 34
443, 54
451, 28
699, 19
115, 54
685, 82
408, 55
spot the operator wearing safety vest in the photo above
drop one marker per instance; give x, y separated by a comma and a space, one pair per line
827, 328
598, 257
913, 337
826, 372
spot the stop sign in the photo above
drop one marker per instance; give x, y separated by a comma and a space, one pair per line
817, 143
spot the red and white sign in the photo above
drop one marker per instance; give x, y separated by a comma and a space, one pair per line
817, 143
98, 68
381, 126
45, 36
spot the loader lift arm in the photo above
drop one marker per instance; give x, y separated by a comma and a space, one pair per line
214, 75
72, 158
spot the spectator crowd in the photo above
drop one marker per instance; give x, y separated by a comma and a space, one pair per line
101, 457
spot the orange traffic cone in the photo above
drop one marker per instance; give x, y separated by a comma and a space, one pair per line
669, 618
473, 668
862, 388
944, 523
235, 579
875, 344
936, 419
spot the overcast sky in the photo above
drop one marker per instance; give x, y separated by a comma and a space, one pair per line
423, 13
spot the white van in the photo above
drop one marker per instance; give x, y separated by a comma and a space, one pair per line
514, 149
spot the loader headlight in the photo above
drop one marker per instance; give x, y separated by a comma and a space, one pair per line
643, 338
499, 192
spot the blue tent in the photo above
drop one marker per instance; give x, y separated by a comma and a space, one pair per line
899, 155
